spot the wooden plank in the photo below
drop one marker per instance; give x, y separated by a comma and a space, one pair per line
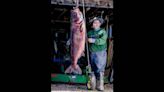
88, 3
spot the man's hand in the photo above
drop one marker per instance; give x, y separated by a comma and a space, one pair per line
91, 40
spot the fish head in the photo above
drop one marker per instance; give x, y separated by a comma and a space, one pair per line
76, 15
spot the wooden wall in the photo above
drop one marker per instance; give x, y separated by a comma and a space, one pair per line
88, 3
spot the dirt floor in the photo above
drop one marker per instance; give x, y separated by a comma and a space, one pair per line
77, 88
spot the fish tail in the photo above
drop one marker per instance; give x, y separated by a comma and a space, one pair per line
71, 70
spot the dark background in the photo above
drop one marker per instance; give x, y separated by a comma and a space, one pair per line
26, 46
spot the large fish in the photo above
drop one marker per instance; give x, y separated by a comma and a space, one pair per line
78, 33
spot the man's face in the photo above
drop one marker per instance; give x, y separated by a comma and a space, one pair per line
96, 24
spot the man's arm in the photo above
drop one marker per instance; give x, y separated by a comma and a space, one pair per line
101, 40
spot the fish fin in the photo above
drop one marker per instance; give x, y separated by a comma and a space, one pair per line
78, 69
68, 42
83, 54
71, 70
82, 26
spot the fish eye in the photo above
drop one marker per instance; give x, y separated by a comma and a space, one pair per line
74, 14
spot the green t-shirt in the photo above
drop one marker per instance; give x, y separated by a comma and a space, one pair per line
101, 40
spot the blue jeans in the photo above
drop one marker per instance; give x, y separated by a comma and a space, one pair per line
98, 62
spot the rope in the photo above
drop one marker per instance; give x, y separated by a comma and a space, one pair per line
77, 3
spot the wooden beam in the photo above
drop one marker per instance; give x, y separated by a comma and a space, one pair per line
80, 4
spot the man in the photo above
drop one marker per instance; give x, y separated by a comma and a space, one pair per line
97, 39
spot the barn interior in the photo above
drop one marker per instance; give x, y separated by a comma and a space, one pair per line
60, 28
